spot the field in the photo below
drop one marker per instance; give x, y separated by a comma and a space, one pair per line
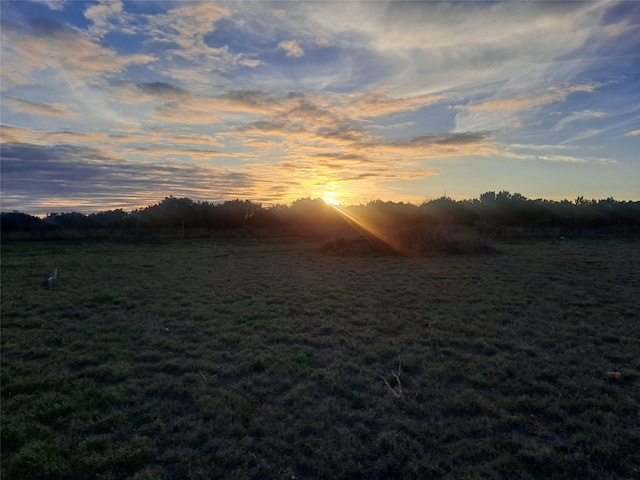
264, 359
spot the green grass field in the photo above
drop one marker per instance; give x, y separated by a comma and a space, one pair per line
238, 359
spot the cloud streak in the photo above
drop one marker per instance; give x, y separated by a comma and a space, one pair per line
53, 175
37, 108
507, 112
578, 117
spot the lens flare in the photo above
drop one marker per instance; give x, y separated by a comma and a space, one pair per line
368, 228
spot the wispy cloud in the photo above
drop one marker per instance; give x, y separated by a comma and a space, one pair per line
591, 132
102, 15
16, 135
559, 158
179, 37
578, 117
63, 51
525, 102
394, 126
37, 108
506, 112
292, 48
186, 25
53, 4
379, 102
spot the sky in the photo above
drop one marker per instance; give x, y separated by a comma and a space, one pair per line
114, 104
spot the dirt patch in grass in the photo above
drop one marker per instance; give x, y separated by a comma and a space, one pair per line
214, 358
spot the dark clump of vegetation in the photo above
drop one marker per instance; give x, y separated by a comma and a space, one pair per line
245, 358
492, 215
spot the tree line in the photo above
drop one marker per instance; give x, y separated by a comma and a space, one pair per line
492, 213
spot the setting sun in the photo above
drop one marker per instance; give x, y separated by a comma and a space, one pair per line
331, 201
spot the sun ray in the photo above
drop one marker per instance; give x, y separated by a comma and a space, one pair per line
370, 229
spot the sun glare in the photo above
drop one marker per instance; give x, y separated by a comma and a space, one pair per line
331, 201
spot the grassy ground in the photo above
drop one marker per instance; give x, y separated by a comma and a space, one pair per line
199, 359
